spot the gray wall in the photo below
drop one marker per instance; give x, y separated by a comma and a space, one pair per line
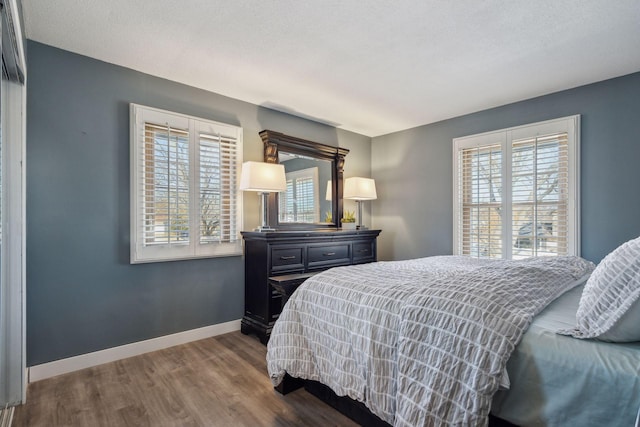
414, 173
82, 293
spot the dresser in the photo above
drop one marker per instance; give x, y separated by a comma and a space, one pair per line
271, 255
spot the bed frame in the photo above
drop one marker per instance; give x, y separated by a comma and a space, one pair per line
355, 410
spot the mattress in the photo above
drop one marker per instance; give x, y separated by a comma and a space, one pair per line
563, 381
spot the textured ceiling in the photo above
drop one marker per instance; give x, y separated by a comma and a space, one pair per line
372, 67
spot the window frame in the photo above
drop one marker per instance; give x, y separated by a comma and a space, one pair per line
505, 138
194, 248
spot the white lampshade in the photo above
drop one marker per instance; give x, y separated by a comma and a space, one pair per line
356, 188
263, 177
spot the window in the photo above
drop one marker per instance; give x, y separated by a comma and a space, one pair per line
300, 203
185, 201
516, 191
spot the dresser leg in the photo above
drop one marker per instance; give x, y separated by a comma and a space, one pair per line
246, 330
250, 327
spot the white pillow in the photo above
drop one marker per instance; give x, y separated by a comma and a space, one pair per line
627, 328
609, 308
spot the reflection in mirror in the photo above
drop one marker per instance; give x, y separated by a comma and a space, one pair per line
308, 195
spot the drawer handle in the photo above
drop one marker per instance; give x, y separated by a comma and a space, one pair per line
329, 254
288, 257
363, 250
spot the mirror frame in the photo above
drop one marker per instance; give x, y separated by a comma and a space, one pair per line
276, 141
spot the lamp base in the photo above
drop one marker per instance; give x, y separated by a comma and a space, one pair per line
264, 214
360, 226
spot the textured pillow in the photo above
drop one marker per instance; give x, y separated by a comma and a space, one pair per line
627, 328
609, 308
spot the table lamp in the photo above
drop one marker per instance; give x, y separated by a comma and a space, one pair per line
263, 178
360, 189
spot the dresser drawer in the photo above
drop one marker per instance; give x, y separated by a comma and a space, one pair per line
363, 252
328, 255
287, 258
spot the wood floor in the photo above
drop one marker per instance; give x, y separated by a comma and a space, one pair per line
220, 381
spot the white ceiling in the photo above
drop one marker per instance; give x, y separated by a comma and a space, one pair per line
369, 66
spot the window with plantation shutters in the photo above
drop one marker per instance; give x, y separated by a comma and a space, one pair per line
516, 191
185, 201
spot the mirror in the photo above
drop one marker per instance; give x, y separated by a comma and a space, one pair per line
314, 182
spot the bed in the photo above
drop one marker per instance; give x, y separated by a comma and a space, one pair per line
411, 342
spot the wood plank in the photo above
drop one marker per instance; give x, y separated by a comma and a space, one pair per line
220, 381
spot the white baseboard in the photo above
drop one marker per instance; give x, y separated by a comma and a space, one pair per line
75, 363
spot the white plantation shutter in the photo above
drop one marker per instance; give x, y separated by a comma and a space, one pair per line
306, 206
286, 202
480, 198
539, 195
184, 186
164, 182
218, 183
516, 191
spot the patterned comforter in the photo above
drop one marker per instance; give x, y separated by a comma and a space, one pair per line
419, 342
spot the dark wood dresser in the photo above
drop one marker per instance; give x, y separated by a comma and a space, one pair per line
271, 254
